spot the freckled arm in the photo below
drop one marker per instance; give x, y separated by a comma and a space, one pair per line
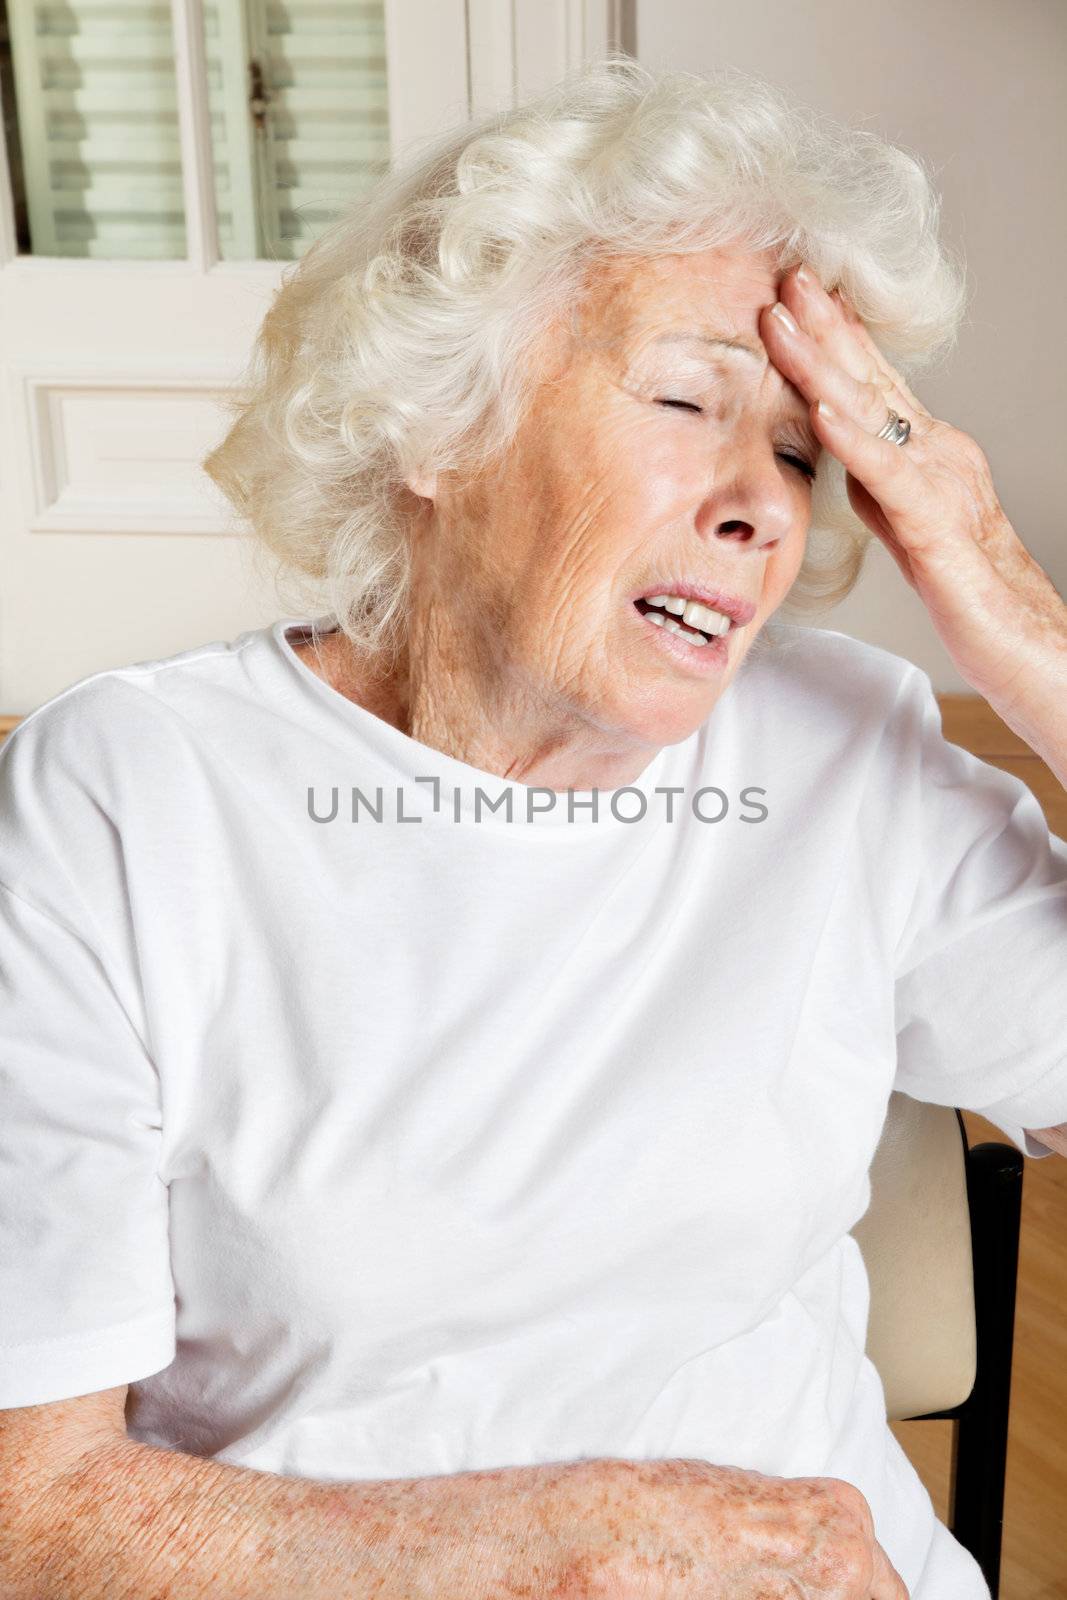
131, 1520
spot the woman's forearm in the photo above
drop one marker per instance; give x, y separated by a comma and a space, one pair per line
133, 1520
1037, 711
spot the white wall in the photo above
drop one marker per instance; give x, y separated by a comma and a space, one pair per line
978, 91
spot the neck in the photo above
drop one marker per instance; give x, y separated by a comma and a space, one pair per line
437, 694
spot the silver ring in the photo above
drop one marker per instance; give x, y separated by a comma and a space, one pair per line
896, 429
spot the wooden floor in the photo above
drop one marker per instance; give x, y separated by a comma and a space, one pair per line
1034, 1559
1034, 1555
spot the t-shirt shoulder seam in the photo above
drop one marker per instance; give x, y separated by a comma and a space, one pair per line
77, 934
128, 674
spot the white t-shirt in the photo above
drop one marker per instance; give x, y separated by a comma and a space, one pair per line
390, 1147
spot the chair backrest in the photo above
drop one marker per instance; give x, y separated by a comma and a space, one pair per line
915, 1238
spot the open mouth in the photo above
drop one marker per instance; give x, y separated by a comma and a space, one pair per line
674, 623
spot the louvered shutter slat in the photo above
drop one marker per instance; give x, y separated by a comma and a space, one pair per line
114, 51
365, 145
117, 106
153, 147
163, 248
122, 205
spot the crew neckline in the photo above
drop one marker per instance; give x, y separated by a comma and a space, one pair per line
458, 781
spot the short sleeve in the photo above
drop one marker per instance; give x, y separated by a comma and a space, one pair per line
981, 962
86, 1294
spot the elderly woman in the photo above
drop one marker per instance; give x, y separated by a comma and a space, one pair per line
446, 1033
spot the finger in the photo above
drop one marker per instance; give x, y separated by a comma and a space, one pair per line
869, 512
822, 319
886, 1583
886, 471
808, 365
827, 316
862, 334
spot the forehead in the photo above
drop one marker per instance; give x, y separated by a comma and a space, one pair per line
633, 304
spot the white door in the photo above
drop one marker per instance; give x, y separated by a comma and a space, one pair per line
163, 160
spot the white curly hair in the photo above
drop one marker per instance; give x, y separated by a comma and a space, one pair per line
406, 338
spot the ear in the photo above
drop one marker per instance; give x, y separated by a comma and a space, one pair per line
423, 484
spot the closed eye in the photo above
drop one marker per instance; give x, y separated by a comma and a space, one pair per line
802, 466
688, 405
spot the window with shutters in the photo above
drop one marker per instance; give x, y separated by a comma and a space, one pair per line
296, 107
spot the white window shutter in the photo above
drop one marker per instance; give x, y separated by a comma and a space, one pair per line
98, 124
325, 132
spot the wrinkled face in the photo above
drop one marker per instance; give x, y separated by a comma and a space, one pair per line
652, 460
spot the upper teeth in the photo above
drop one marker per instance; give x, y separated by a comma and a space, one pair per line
691, 611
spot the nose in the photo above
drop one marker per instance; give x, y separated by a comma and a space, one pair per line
752, 504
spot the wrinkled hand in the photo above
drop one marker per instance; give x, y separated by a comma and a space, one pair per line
689, 1529
931, 501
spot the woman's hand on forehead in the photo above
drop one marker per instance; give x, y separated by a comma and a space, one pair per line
933, 505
